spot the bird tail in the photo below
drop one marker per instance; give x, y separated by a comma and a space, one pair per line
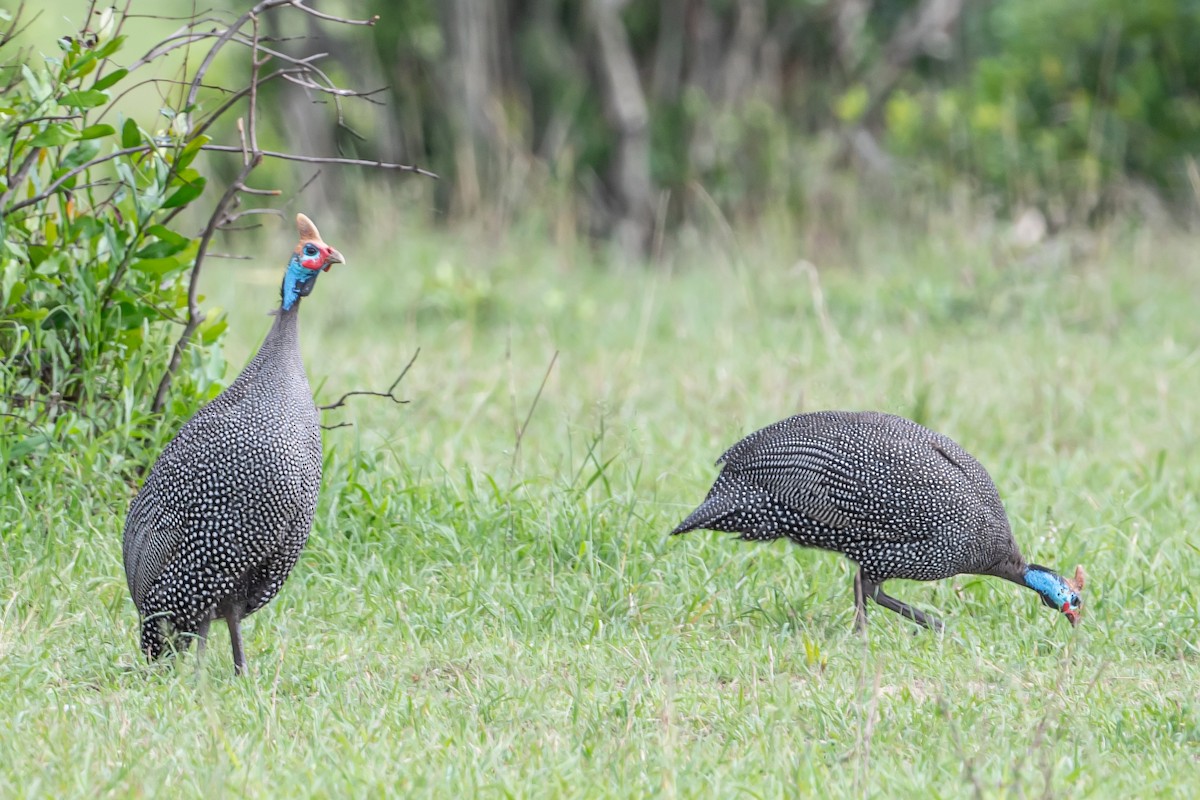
725, 509
706, 516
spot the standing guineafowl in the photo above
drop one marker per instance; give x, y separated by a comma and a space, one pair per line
898, 499
229, 504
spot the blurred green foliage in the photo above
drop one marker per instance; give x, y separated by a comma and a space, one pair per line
1063, 104
1062, 100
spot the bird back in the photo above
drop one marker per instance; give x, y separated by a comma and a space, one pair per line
859, 482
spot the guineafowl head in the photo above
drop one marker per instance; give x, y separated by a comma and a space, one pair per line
311, 256
1061, 594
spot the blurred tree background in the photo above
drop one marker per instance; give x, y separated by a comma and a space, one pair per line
625, 119
637, 116
629, 122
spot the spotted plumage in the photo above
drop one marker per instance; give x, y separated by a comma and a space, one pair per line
228, 505
898, 499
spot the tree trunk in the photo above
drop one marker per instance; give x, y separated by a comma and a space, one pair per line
625, 109
473, 70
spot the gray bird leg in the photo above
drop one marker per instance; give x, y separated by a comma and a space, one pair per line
233, 620
876, 593
202, 638
860, 603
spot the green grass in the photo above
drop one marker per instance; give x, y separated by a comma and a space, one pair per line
469, 620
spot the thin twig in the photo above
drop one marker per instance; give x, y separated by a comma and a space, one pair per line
50, 189
230, 219
355, 162
219, 112
195, 315
336, 91
12, 145
255, 66
219, 45
390, 393
12, 32
143, 148
15, 182
313, 12
525, 425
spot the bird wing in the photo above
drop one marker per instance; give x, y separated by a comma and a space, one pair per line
887, 486
157, 523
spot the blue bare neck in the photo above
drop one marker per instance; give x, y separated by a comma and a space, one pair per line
297, 283
1046, 583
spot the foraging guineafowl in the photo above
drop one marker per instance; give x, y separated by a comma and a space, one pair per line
229, 504
897, 498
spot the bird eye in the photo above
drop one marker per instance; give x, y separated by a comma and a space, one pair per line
310, 250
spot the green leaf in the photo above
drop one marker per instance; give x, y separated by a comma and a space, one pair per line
16, 249
37, 90
38, 253
188, 153
96, 131
88, 98
185, 194
54, 135
157, 266
108, 48
82, 154
11, 285
31, 314
130, 135
84, 66
133, 314
168, 235
28, 445
110, 79
68, 184
213, 326
161, 249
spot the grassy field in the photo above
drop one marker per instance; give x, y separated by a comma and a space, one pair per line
476, 619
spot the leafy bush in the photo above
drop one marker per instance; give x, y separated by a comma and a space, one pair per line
92, 270
101, 323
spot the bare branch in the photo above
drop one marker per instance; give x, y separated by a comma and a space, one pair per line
334, 90
230, 219
13, 31
255, 66
390, 393
308, 183
12, 145
209, 31
195, 315
355, 162
15, 182
313, 12
222, 39
54, 185
49, 190
235, 97
235, 28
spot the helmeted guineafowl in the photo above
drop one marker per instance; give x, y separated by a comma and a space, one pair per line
228, 506
898, 499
